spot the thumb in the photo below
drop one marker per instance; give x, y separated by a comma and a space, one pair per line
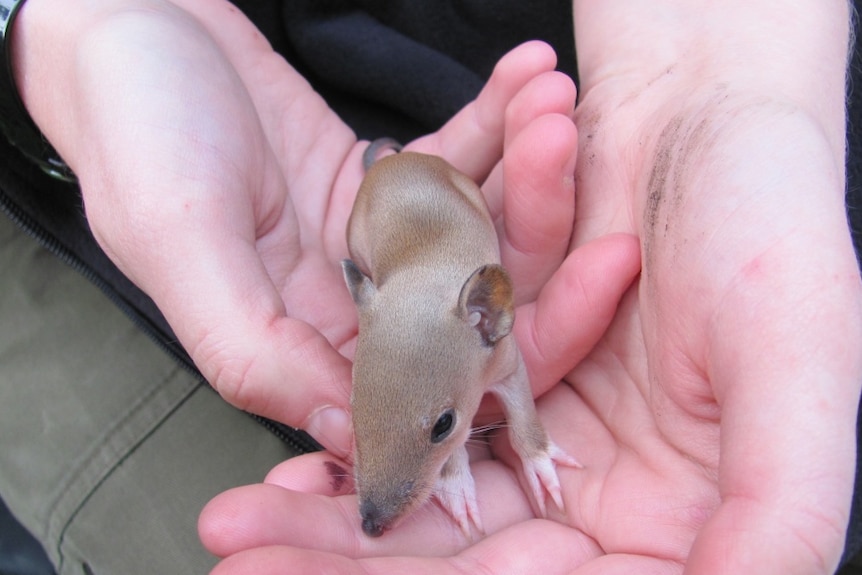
254, 355
206, 275
575, 307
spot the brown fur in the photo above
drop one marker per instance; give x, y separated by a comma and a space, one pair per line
435, 307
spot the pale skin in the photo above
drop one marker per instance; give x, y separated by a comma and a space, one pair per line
715, 415
221, 184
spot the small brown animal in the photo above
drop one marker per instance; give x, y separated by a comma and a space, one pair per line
435, 313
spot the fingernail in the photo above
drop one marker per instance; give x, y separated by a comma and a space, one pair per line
331, 427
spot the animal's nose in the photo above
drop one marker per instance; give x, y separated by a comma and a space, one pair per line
380, 510
371, 519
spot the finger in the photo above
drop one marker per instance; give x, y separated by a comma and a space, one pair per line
255, 356
532, 547
575, 307
625, 564
259, 515
473, 139
263, 514
550, 93
278, 367
196, 261
319, 473
539, 202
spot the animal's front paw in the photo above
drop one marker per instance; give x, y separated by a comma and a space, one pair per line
540, 470
456, 492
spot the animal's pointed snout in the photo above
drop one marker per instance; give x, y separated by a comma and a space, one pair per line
379, 512
372, 523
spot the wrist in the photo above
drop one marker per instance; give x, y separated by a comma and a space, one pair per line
16, 124
42, 59
686, 49
50, 58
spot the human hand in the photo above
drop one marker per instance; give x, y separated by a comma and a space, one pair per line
716, 416
553, 326
742, 341
220, 183
206, 165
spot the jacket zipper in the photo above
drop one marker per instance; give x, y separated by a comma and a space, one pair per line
296, 439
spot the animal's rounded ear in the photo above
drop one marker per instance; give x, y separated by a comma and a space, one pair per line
487, 303
360, 285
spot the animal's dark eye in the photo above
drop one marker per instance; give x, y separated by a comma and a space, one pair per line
443, 427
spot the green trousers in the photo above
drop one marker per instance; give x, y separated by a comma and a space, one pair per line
108, 448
